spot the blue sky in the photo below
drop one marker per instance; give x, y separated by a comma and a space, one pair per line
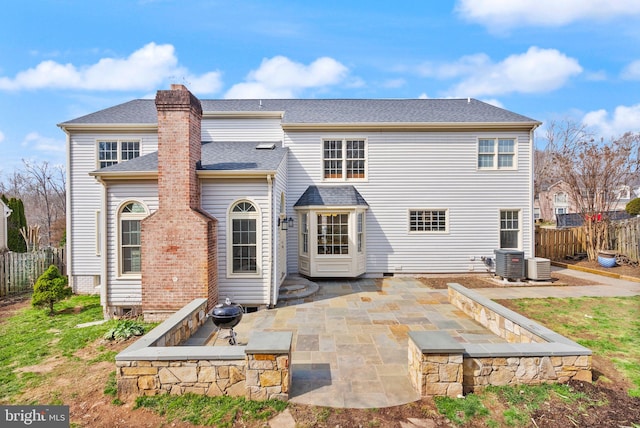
546, 59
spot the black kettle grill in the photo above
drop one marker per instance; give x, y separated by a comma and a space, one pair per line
227, 315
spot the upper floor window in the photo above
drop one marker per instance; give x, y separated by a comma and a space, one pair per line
560, 198
344, 159
115, 151
130, 218
244, 247
496, 153
428, 220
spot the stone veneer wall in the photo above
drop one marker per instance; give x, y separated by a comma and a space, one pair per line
498, 324
155, 364
481, 372
439, 365
434, 370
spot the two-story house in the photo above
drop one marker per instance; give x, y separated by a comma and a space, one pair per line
182, 198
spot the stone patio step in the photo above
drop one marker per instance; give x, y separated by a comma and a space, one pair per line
296, 287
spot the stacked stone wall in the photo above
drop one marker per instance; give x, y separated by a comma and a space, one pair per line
478, 373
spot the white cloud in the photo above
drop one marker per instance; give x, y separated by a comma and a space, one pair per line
537, 70
632, 71
279, 77
423, 96
145, 69
1, 137
623, 119
43, 144
493, 102
499, 15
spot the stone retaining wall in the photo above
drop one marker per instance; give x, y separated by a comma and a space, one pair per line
154, 365
439, 365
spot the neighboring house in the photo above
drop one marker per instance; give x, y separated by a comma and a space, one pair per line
184, 198
555, 199
5, 212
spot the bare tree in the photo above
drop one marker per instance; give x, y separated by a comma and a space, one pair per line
46, 185
595, 171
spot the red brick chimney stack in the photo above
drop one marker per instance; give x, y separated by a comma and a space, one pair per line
179, 147
179, 240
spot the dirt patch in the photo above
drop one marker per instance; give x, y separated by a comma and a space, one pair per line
623, 270
491, 281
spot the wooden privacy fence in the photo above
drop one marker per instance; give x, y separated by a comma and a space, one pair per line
556, 244
625, 237
19, 271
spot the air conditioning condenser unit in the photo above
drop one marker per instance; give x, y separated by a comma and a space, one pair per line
538, 269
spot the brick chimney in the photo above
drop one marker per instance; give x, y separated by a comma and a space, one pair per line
179, 240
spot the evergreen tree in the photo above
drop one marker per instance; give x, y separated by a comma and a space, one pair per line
16, 220
50, 288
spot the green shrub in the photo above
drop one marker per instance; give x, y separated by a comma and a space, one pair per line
125, 329
633, 207
50, 288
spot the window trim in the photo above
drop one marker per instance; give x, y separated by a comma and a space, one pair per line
496, 153
428, 232
119, 142
128, 216
344, 159
257, 215
519, 230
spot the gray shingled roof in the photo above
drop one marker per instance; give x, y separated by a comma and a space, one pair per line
325, 111
216, 156
331, 196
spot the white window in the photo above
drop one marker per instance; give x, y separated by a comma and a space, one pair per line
344, 159
304, 230
360, 232
536, 213
496, 153
244, 227
561, 210
560, 198
130, 217
509, 229
428, 220
115, 151
333, 233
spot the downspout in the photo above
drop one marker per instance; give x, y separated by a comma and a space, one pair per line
103, 251
532, 234
272, 287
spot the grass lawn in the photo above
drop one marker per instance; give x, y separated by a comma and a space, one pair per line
610, 327
31, 339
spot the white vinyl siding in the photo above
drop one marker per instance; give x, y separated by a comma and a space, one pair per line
409, 170
125, 290
241, 130
85, 195
218, 195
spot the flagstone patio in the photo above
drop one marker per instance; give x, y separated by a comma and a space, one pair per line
350, 342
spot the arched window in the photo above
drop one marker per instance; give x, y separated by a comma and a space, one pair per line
129, 219
244, 239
